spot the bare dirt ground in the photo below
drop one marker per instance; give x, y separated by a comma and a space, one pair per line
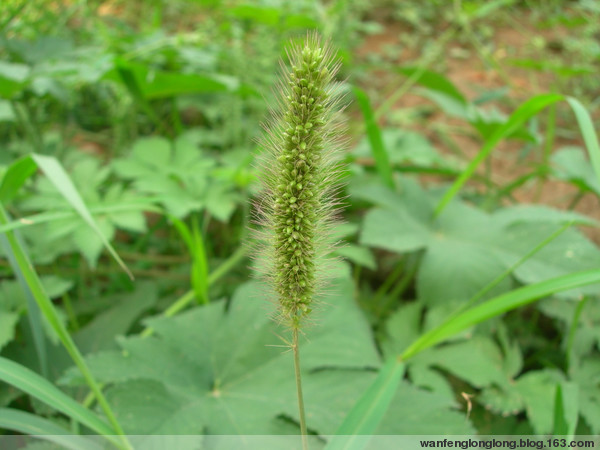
472, 75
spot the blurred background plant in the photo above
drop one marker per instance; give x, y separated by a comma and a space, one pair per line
130, 127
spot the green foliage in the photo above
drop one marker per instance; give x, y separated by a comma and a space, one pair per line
468, 299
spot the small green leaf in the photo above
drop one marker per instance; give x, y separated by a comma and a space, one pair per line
13, 78
16, 175
8, 322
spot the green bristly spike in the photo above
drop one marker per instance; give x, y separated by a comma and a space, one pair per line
300, 174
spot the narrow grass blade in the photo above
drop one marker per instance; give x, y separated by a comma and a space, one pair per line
587, 131
33, 384
523, 113
200, 264
365, 416
33, 311
382, 162
51, 216
48, 310
499, 305
560, 423
26, 423
195, 244
128, 78
566, 409
15, 176
59, 178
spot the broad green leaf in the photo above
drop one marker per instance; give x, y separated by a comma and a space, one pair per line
15, 176
466, 248
99, 334
382, 161
155, 84
499, 305
537, 388
40, 388
13, 78
541, 213
476, 360
416, 411
358, 255
179, 174
402, 328
238, 376
26, 423
57, 175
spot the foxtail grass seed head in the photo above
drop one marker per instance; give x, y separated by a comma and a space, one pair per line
300, 174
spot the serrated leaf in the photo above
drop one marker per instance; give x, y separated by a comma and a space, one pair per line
537, 390
8, 322
180, 174
435, 414
402, 328
477, 361
504, 401
587, 376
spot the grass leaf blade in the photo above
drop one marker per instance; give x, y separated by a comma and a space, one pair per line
382, 162
523, 113
27, 423
61, 180
33, 384
499, 305
587, 131
365, 416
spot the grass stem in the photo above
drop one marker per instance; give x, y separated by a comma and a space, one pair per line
299, 388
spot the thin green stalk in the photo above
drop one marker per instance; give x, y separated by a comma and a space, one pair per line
49, 311
548, 146
296, 349
573, 329
66, 298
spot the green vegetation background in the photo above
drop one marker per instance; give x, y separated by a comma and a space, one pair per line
470, 234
